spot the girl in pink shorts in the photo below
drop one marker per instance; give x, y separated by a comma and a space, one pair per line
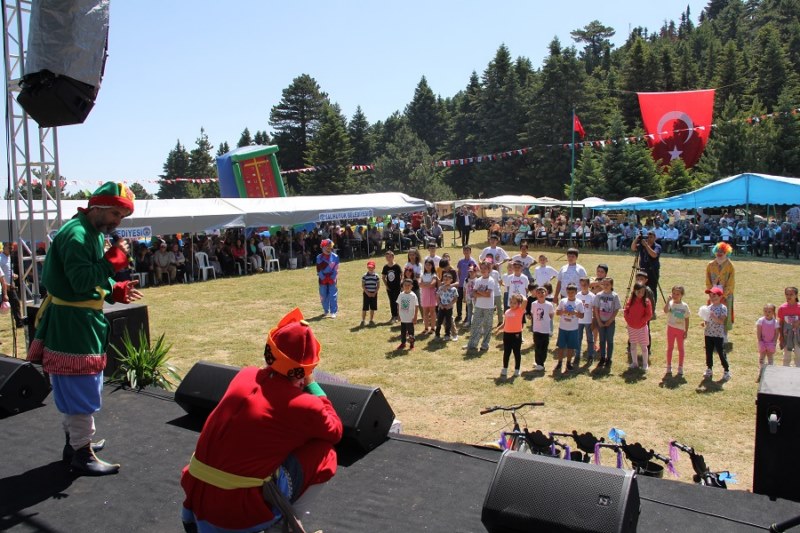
767, 336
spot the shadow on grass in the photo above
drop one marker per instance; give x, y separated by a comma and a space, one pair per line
397, 352
502, 381
532, 375
709, 386
319, 318
672, 381
435, 344
634, 375
600, 372
473, 353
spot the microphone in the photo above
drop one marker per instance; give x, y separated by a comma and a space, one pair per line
115, 237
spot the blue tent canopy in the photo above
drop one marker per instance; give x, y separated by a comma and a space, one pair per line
742, 189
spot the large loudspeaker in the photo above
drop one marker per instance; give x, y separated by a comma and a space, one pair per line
22, 386
65, 59
775, 473
203, 387
365, 413
536, 493
121, 318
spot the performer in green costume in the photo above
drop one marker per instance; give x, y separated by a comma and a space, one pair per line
71, 329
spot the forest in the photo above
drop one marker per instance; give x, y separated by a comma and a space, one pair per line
510, 129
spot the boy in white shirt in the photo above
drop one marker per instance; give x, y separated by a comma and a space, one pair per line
585, 323
570, 309
542, 313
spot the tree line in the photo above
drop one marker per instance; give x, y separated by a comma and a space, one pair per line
748, 50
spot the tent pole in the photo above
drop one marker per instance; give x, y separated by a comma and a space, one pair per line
572, 169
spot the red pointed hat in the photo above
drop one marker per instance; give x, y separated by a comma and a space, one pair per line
112, 194
292, 349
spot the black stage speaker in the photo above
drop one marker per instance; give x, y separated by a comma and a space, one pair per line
775, 472
121, 318
64, 60
365, 413
203, 387
22, 386
536, 493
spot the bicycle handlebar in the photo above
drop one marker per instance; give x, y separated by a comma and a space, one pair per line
510, 407
683, 447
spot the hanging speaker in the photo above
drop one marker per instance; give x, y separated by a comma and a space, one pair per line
536, 493
22, 386
65, 59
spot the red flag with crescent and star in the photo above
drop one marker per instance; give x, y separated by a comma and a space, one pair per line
677, 124
578, 127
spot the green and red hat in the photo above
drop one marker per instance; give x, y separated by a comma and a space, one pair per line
112, 194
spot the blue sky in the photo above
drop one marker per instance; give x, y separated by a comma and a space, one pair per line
175, 66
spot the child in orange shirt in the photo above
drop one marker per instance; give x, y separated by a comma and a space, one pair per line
512, 334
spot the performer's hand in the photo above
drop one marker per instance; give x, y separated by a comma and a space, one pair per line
132, 293
308, 379
123, 245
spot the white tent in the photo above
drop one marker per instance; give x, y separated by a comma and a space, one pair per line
207, 214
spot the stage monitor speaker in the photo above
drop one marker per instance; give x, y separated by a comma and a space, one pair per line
203, 387
121, 318
64, 60
775, 473
365, 413
22, 386
536, 493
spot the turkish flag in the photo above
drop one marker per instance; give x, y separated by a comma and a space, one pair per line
677, 124
578, 127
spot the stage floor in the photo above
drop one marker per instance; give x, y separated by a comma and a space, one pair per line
407, 484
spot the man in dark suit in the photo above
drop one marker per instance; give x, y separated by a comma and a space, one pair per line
761, 239
464, 221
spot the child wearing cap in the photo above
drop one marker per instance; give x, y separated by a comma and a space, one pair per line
370, 282
407, 304
714, 328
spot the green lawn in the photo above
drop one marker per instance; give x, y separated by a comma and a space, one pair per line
437, 391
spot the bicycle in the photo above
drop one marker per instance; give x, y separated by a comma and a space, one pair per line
586, 442
518, 439
640, 457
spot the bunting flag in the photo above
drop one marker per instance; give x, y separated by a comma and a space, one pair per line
677, 124
579, 127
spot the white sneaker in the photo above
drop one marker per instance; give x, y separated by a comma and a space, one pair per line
333, 315
538, 368
517, 373
454, 338
708, 373
503, 372
726, 376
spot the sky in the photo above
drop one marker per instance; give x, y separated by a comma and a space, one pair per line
175, 66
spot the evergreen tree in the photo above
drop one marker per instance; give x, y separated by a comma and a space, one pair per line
636, 77
175, 167
425, 116
728, 76
202, 166
358, 130
687, 67
406, 166
383, 133
678, 179
596, 36
786, 155
261, 138
331, 151
295, 120
140, 192
588, 177
245, 139
628, 169
223, 149
465, 138
771, 67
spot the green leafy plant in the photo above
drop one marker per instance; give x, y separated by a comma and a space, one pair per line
145, 365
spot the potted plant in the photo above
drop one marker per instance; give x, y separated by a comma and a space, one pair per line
144, 365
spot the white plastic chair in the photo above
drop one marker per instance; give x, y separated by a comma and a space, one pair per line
203, 265
141, 277
270, 259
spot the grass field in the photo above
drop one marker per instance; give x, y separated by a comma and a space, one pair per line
437, 391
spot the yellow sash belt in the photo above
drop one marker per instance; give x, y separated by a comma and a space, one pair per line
97, 305
220, 479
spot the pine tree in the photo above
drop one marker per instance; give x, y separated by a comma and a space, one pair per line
588, 177
596, 35
245, 139
295, 120
175, 167
425, 116
728, 77
261, 138
678, 179
406, 166
331, 151
786, 155
223, 149
771, 67
636, 77
140, 192
202, 166
358, 130
465, 137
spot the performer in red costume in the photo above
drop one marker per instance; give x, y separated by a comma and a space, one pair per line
269, 439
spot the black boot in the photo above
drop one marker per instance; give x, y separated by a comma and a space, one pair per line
86, 463
69, 451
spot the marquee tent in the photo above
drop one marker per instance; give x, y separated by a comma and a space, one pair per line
208, 214
742, 189
516, 200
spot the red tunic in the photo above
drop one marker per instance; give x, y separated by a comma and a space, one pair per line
257, 424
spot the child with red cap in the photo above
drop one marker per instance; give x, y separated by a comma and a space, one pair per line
715, 332
270, 438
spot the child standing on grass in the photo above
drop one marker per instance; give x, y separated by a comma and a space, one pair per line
483, 291
677, 327
789, 322
767, 335
428, 283
407, 309
369, 285
392, 277
541, 312
570, 309
715, 333
585, 323
469, 297
512, 334
606, 308
446, 296
638, 312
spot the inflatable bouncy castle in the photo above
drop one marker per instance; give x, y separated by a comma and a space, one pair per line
250, 172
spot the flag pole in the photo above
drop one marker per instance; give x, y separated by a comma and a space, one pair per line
572, 170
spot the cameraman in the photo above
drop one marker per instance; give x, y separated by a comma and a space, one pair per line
649, 259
